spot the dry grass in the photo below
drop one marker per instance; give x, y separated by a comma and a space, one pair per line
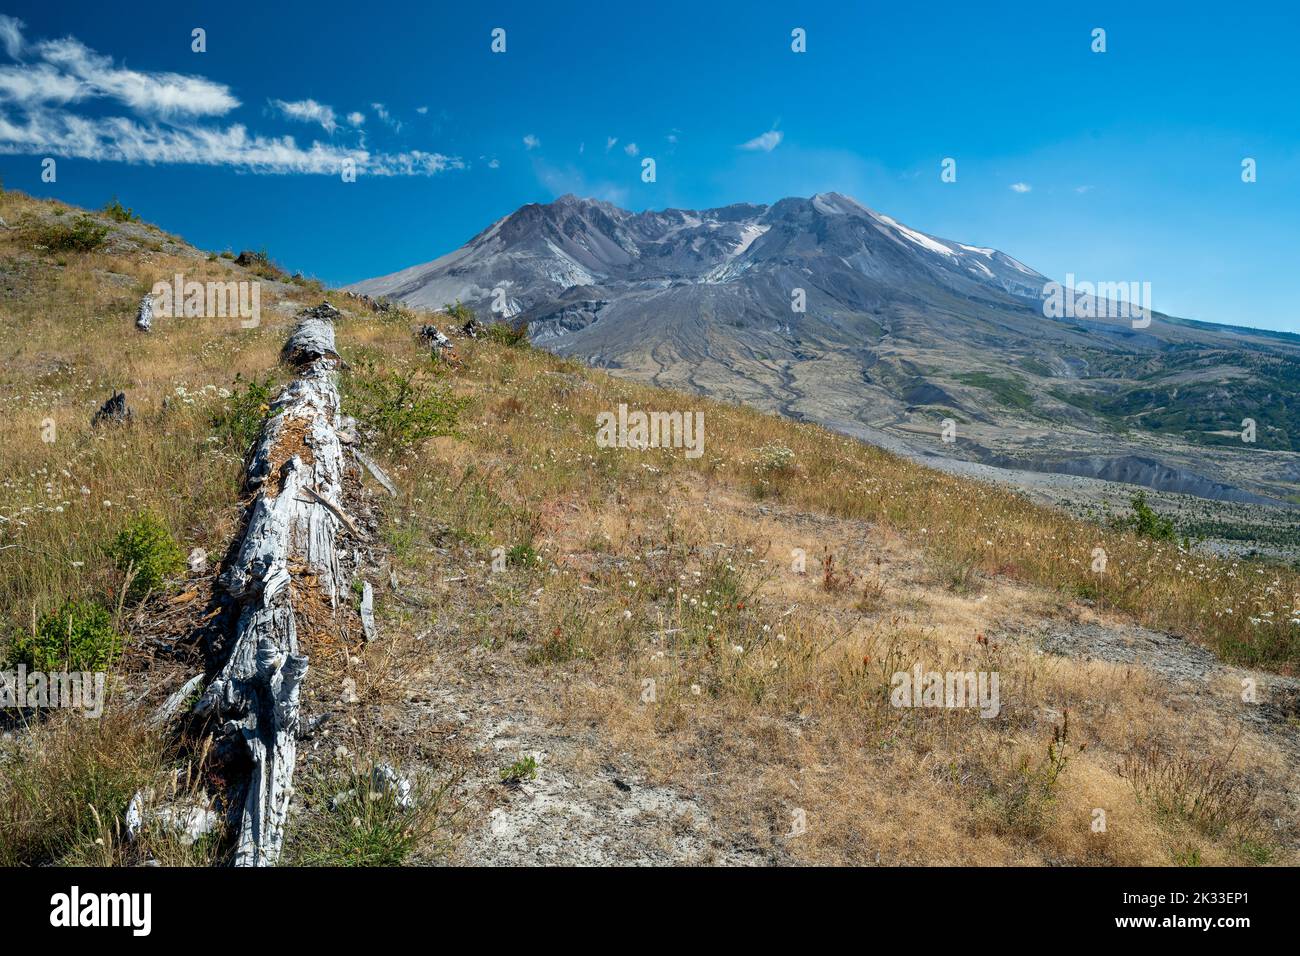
770, 687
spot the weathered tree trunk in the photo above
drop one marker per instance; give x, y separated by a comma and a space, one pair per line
296, 473
144, 316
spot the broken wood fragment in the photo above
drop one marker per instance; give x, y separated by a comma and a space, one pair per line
375, 471
368, 610
115, 411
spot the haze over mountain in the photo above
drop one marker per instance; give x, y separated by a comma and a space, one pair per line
899, 330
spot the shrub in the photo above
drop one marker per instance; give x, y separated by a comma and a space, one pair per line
79, 636
774, 460
1145, 522
1198, 788
147, 553
525, 768
401, 408
1027, 801
239, 418
458, 312
503, 333
119, 213
82, 235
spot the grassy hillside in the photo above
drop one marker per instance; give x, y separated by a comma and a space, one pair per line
648, 617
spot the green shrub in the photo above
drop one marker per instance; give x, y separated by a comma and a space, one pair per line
147, 553
119, 213
239, 419
503, 333
82, 235
458, 312
79, 636
401, 409
525, 768
1145, 522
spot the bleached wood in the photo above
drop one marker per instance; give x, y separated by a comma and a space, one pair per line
375, 471
368, 611
172, 705
144, 316
296, 473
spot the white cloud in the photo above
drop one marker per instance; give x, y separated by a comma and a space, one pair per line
610, 143
422, 110
119, 139
766, 142
631, 149
494, 164
531, 142
1021, 187
36, 118
11, 35
308, 111
160, 94
29, 86
1083, 189
672, 137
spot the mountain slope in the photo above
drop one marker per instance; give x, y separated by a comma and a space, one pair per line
898, 331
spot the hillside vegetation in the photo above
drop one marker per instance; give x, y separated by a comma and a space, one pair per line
633, 622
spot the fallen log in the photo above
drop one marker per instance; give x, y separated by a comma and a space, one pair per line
296, 473
144, 315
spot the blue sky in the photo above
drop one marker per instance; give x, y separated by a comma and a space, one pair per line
1115, 166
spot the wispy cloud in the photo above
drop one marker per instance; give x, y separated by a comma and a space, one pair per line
11, 35
118, 139
386, 117
37, 117
1021, 187
766, 142
308, 111
155, 94
531, 141
610, 143
570, 179
631, 149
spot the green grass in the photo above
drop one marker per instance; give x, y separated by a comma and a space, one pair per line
352, 820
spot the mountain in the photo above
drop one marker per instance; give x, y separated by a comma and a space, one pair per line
899, 330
